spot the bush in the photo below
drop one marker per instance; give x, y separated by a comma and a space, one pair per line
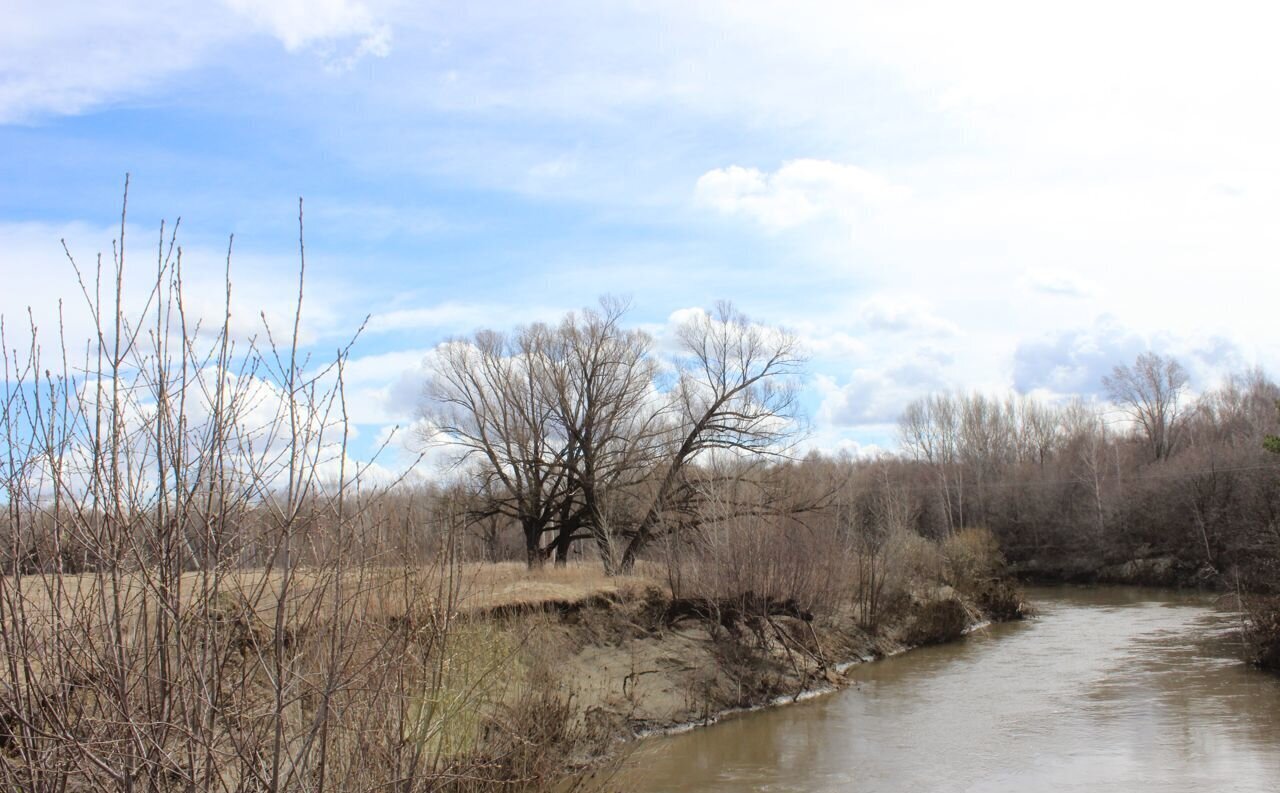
1262, 632
972, 559
1001, 600
938, 621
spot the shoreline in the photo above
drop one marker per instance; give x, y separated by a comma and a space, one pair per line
636, 680
840, 668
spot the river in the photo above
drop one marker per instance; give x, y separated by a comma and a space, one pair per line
1108, 689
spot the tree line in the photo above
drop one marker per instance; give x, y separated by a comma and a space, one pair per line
586, 431
1154, 473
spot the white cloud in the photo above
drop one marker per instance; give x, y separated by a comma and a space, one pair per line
61, 63
453, 316
875, 392
832, 343
1127, 153
39, 277
1063, 283
833, 443
67, 61
305, 24
902, 314
557, 168
461, 317
797, 193
1074, 361
386, 388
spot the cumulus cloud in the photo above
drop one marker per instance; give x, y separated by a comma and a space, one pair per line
902, 314
876, 394
799, 192
387, 387
1074, 361
830, 343
835, 444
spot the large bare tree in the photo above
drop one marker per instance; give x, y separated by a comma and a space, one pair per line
1150, 392
599, 381
735, 393
582, 432
929, 430
486, 399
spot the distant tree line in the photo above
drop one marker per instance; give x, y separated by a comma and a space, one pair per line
1160, 475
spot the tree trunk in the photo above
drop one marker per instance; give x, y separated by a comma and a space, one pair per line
564, 544
532, 544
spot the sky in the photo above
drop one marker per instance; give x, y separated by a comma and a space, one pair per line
984, 196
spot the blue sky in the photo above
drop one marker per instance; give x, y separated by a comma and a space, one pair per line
933, 195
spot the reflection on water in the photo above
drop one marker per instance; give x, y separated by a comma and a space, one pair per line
1110, 689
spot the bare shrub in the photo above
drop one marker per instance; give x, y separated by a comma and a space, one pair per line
203, 592
1262, 631
762, 558
938, 621
972, 558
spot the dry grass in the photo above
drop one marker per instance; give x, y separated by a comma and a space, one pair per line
377, 591
424, 686
488, 586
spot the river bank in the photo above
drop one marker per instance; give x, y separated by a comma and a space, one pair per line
638, 663
1154, 570
463, 677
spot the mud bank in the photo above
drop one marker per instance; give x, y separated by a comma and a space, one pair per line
639, 663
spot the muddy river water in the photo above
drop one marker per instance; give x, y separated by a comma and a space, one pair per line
1109, 689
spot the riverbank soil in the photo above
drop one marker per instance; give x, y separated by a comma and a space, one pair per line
638, 662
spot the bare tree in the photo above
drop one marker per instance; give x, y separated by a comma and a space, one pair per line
485, 398
889, 517
189, 598
580, 435
1087, 440
735, 394
599, 381
930, 430
1150, 392
1038, 430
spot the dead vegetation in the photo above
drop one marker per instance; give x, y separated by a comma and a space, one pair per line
202, 591
1261, 632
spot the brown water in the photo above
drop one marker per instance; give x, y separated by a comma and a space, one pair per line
1110, 689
